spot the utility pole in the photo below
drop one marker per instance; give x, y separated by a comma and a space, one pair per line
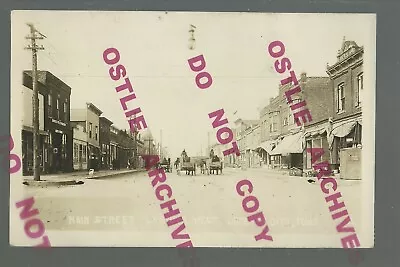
135, 155
161, 147
35, 100
208, 142
149, 140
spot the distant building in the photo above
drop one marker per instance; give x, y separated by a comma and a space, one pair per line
248, 137
104, 141
270, 129
88, 119
54, 124
114, 147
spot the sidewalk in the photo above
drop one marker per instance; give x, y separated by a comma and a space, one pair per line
72, 177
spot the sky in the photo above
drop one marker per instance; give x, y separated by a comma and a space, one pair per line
154, 48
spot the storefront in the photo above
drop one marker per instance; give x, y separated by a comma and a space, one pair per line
346, 138
289, 152
316, 137
27, 151
60, 147
264, 150
80, 155
94, 157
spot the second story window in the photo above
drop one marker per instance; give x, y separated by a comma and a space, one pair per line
65, 111
58, 108
285, 121
90, 129
360, 87
49, 111
273, 125
96, 133
341, 98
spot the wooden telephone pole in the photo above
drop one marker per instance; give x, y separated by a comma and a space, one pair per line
35, 100
149, 140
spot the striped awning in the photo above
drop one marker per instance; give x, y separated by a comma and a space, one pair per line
267, 145
289, 145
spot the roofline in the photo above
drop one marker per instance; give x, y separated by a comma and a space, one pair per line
106, 120
94, 108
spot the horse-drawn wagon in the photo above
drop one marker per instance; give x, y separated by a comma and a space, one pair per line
215, 165
188, 165
166, 166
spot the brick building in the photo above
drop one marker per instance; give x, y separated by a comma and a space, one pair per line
104, 142
319, 98
345, 133
54, 124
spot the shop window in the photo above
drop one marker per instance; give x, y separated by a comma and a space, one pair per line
76, 153
317, 143
340, 98
84, 157
308, 155
346, 142
360, 87
358, 135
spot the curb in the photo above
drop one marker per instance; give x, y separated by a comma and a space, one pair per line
112, 175
52, 183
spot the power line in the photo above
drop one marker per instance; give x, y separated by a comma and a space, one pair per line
154, 76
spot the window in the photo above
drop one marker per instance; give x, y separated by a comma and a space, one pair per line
360, 86
341, 98
274, 121
58, 108
65, 111
49, 111
96, 132
90, 129
285, 121
76, 153
308, 155
84, 153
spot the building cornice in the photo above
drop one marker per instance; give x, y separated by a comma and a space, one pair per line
94, 108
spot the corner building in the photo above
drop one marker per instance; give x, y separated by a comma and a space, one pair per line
345, 130
55, 131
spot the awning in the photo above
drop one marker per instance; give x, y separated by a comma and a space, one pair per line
267, 146
289, 145
315, 132
30, 129
343, 129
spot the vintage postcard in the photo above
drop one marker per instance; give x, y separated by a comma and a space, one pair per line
192, 129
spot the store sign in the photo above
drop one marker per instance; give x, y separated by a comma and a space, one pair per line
58, 122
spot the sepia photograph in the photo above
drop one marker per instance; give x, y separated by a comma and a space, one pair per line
192, 129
